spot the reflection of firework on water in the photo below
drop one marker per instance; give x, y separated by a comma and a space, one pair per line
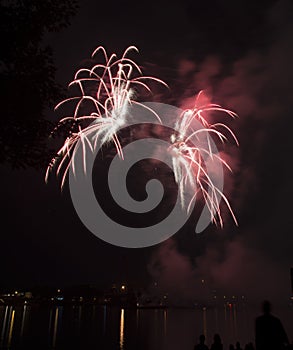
109, 89
191, 150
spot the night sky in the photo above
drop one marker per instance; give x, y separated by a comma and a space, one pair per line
241, 53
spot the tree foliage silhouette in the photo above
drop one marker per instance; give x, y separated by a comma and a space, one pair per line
27, 73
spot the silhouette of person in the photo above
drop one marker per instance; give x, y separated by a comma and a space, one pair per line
201, 345
217, 344
269, 331
231, 347
249, 346
238, 346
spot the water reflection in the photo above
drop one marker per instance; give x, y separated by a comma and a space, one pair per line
216, 317
165, 323
7, 327
121, 341
204, 316
79, 318
235, 320
137, 319
11, 324
55, 317
99, 327
3, 327
50, 323
23, 320
55, 327
104, 318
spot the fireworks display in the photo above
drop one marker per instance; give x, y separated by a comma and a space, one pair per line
108, 90
189, 158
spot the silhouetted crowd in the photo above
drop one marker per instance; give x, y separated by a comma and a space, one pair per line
269, 335
217, 344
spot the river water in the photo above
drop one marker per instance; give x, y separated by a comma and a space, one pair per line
109, 328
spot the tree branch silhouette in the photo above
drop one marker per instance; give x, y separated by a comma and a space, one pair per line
27, 78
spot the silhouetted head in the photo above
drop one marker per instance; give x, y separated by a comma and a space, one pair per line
202, 338
237, 345
249, 346
231, 347
266, 307
217, 339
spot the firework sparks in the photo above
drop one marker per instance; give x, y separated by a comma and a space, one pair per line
189, 160
109, 88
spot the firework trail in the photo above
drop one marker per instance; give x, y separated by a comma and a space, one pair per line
190, 154
109, 88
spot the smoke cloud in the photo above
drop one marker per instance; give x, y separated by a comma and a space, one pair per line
253, 260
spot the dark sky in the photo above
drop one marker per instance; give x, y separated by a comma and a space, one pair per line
242, 53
